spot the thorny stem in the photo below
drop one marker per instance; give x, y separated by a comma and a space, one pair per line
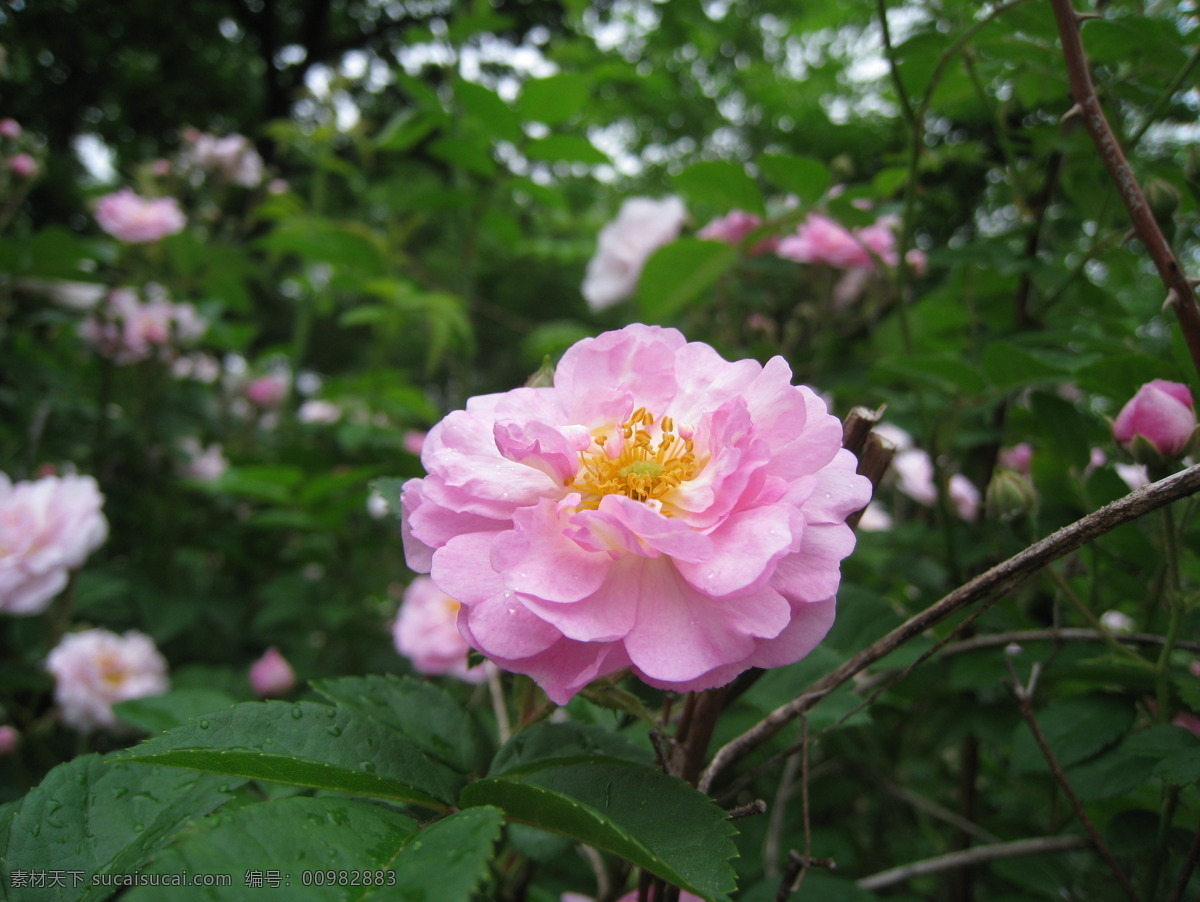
1024, 696
996, 581
1179, 290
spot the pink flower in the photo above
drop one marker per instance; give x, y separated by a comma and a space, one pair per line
23, 165
914, 474
95, 669
1161, 412
413, 441
426, 634
657, 508
9, 128
1133, 475
964, 496
272, 674
642, 226
268, 391
1020, 458
128, 217
10, 738
232, 157
733, 227
129, 330
821, 240
874, 519
205, 464
319, 412
47, 528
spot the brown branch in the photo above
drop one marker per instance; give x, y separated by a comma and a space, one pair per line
973, 856
1024, 696
1189, 865
994, 582
1180, 295
992, 640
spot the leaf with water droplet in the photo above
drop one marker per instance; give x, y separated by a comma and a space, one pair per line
266, 741
102, 817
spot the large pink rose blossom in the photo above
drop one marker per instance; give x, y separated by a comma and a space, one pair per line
426, 633
1162, 413
642, 226
138, 220
48, 527
94, 669
657, 508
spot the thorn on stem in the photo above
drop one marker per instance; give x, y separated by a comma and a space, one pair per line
1172, 300
1074, 111
1080, 18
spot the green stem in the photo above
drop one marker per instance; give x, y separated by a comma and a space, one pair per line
1069, 593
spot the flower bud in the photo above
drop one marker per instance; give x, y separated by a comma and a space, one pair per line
1157, 424
272, 674
1009, 495
10, 738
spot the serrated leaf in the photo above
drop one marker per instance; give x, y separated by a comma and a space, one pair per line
678, 272
287, 844
565, 149
158, 713
449, 858
420, 711
721, 184
554, 99
556, 743
653, 820
305, 744
101, 817
1075, 729
806, 177
1134, 761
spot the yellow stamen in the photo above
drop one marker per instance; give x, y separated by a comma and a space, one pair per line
649, 466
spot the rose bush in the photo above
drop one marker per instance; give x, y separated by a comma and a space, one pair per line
657, 508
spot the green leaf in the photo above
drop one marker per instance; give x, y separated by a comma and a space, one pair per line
101, 817
565, 149
288, 844
305, 744
487, 108
419, 711
344, 244
653, 820
1169, 749
449, 858
1075, 729
407, 129
806, 177
678, 272
473, 156
555, 99
1008, 366
159, 713
558, 743
942, 372
721, 184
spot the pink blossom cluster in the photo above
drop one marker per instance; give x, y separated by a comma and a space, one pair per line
426, 632
642, 226
657, 508
913, 472
126, 329
822, 240
16, 157
206, 464
231, 157
135, 219
734, 227
48, 527
94, 669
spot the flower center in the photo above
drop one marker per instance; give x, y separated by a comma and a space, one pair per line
644, 462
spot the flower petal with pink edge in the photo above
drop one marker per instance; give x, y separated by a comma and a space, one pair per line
554, 452
813, 573
746, 548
